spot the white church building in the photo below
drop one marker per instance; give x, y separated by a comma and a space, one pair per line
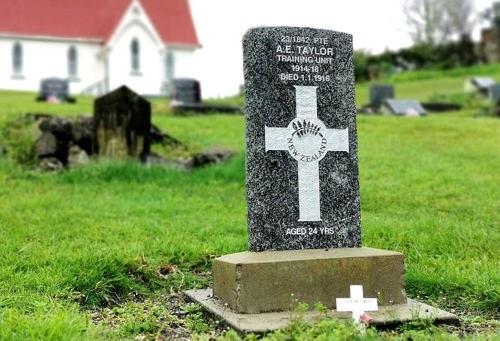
97, 45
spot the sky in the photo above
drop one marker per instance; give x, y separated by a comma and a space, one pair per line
221, 24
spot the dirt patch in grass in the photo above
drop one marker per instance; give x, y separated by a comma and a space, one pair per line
166, 317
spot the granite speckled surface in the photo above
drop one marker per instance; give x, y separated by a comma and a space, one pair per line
281, 64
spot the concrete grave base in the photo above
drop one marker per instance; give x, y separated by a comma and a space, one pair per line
260, 323
258, 291
257, 282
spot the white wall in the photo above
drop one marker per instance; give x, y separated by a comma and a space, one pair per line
152, 76
49, 58
151, 70
184, 62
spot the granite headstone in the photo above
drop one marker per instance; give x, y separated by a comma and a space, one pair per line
403, 107
379, 93
186, 91
494, 92
54, 89
302, 163
495, 98
482, 84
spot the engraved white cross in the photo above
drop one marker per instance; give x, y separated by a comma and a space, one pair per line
307, 140
357, 304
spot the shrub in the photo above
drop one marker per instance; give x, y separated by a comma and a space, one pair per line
17, 138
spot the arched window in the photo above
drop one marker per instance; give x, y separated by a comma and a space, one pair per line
17, 59
169, 66
72, 61
135, 55
169, 72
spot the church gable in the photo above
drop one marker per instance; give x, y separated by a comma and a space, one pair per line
135, 18
96, 44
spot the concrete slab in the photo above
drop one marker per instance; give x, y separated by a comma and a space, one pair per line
257, 282
392, 315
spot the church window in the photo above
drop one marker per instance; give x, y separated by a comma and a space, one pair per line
135, 55
169, 70
17, 59
72, 61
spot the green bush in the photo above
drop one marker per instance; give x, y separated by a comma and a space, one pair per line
17, 138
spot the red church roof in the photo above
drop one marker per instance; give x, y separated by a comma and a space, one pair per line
93, 19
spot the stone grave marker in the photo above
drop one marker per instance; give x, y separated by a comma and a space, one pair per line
186, 91
403, 107
494, 96
302, 187
480, 84
302, 176
54, 89
379, 93
122, 123
302, 163
186, 98
494, 93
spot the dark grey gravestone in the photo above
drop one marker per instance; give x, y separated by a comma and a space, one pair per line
302, 163
54, 88
379, 93
186, 91
494, 92
494, 95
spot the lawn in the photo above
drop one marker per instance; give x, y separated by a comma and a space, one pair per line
103, 252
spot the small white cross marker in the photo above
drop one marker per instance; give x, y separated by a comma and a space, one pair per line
308, 141
356, 303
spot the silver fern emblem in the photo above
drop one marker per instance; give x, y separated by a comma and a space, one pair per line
306, 128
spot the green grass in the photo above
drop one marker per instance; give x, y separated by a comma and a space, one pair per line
113, 238
424, 85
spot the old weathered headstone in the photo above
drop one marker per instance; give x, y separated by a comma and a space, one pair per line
122, 123
302, 186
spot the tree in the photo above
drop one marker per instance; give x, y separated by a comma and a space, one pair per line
492, 15
461, 17
436, 22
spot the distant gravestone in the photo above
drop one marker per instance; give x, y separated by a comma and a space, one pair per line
302, 165
186, 98
494, 96
54, 89
122, 123
480, 84
494, 92
186, 91
404, 107
379, 93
